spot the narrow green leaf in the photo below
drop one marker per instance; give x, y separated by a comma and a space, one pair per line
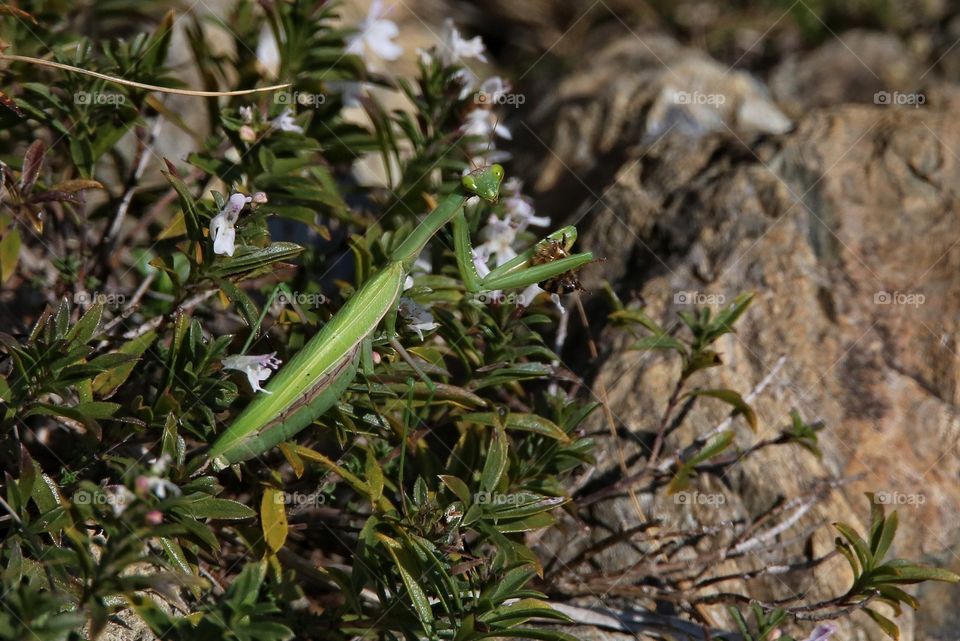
86, 327
457, 486
522, 422
889, 627
732, 398
496, 462
9, 253
409, 574
213, 508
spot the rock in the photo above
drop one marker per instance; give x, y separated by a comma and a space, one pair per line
858, 66
847, 229
599, 110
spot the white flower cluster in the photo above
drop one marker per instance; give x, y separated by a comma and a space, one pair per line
223, 225
373, 42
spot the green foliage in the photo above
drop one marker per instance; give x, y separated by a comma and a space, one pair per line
764, 624
112, 386
403, 511
875, 577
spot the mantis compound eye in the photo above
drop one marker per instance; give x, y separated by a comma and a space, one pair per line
470, 183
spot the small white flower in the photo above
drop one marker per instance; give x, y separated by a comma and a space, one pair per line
456, 47
375, 36
417, 317
519, 211
119, 498
512, 186
246, 114
286, 122
532, 291
162, 487
482, 123
493, 89
160, 465
500, 236
268, 53
222, 225
822, 632
480, 258
257, 368
468, 81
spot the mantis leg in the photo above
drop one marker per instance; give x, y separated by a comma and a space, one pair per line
464, 253
537, 273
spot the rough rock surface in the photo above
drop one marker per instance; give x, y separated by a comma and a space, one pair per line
847, 228
859, 66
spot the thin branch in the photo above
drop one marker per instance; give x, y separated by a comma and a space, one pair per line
139, 85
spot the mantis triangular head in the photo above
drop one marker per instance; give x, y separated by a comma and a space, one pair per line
484, 182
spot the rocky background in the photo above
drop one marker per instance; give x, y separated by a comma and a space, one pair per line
807, 152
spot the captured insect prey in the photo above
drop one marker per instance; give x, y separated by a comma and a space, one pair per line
551, 250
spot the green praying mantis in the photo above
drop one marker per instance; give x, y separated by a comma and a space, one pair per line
321, 371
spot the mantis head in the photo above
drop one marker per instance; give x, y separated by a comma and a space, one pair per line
484, 182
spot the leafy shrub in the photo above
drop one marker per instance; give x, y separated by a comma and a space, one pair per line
143, 309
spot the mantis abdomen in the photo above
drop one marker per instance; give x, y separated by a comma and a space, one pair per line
315, 377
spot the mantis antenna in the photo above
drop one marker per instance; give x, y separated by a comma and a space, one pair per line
139, 85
